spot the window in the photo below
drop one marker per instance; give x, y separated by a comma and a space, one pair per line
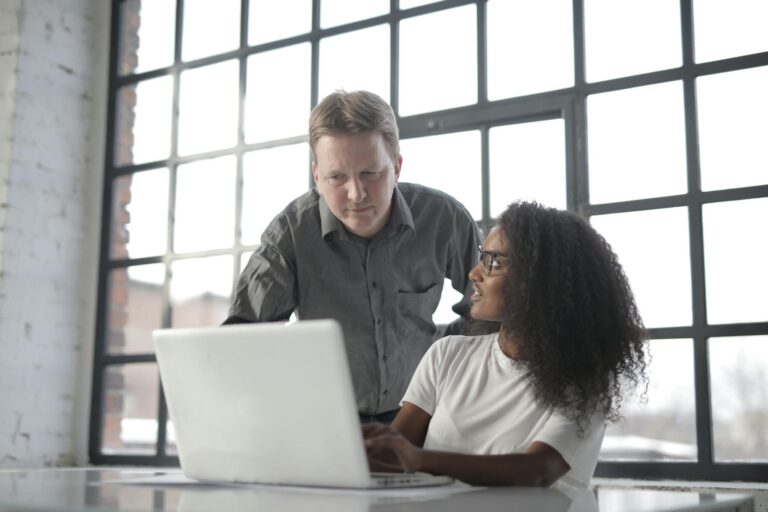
658, 140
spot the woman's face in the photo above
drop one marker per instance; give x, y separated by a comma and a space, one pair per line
488, 278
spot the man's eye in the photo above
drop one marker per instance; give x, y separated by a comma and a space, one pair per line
336, 178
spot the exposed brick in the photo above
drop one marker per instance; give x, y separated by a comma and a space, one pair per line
52, 85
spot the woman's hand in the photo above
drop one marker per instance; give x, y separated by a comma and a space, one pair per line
389, 450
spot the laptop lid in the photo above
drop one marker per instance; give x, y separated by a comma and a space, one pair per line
268, 403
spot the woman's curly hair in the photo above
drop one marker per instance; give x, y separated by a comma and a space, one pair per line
570, 308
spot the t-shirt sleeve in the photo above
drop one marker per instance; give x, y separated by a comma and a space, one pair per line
580, 450
423, 389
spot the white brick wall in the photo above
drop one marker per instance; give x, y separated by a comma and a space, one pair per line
53, 65
9, 50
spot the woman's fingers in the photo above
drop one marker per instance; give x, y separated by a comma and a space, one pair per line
379, 444
375, 429
387, 447
385, 466
392, 446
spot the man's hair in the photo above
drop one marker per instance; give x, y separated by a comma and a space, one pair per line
352, 113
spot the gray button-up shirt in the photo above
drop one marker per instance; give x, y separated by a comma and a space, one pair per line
383, 291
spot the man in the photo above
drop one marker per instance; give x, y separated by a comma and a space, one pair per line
362, 249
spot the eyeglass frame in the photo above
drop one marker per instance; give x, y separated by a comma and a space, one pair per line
491, 257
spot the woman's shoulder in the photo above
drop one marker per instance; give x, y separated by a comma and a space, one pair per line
461, 343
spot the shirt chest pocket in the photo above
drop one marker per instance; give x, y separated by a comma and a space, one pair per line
415, 312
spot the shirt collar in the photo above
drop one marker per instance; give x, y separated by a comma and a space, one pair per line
328, 221
400, 214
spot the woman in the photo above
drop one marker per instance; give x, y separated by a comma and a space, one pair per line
525, 405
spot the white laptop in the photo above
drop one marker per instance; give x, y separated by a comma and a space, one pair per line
268, 403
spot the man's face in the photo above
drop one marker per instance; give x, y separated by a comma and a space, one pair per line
356, 176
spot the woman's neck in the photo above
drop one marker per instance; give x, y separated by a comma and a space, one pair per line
508, 344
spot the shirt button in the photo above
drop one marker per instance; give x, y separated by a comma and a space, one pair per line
378, 321
385, 391
383, 358
373, 284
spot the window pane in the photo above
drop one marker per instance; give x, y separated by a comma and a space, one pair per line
208, 108
339, 12
269, 21
438, 71
450, 163
739, 383
205, 205
276, 109
200, 291
369, 51
144, 121
244, 257
130, 409
530, 47
444, 313
735, 253
631, 37
263, 195
147, 35
733, 128
210, 28
653, 248
170, 444
135, 308
664, 428
527, 161
140, 214
636, 143
408, 4
729, 29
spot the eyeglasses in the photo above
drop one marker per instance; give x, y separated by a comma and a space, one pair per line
489, 260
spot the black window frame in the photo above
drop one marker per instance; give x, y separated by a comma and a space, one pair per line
568, 104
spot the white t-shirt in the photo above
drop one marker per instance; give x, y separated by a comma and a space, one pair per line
482, 403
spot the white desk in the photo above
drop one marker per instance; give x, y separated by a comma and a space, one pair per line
90, 489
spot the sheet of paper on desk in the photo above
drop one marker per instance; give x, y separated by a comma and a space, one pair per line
177, 479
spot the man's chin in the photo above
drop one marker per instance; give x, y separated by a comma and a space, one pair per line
361, 227
358, 228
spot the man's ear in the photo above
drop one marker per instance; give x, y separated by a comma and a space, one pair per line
398, 166
314, 171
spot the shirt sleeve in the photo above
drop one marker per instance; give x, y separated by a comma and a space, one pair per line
579, 449
266, 289
423, 389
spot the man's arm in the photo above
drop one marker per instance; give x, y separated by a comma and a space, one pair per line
235, 320
266, 289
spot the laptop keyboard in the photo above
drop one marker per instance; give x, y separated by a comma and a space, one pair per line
408, 479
